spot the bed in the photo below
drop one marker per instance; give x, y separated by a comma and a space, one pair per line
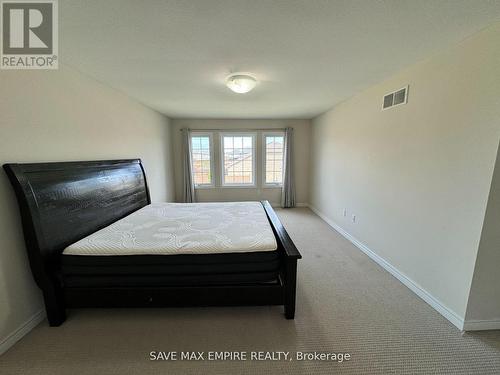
94, 239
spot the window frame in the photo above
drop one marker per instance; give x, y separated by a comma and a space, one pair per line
264, 158
212, 158
254, 157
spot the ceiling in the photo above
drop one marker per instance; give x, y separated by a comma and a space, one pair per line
308, 55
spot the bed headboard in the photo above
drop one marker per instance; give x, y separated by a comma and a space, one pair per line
62, 203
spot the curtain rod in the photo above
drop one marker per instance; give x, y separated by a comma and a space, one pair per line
231, 130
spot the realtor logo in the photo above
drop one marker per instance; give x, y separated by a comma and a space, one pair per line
29, 34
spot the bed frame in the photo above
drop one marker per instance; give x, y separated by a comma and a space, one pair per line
61, 203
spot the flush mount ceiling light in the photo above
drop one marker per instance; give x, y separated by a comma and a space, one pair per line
241, 82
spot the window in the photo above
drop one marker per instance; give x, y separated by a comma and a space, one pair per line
273, 158
238, 162
201, 156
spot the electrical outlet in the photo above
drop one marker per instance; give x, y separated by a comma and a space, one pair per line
344, 212
353, 218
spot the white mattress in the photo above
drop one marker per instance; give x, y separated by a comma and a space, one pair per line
183, 228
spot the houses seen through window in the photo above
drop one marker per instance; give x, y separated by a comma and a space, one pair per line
201, 160
238, 159
273, 167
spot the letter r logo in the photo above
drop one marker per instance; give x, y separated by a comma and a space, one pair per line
27, 28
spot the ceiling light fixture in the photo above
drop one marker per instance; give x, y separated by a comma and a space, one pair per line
241, 82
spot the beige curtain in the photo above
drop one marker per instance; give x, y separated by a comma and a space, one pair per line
188, 195
288, 189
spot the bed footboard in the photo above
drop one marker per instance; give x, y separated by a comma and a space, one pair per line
290, 255
290, 287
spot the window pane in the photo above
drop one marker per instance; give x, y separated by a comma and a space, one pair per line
204, 143
195, 145
247, 165
238, 159
247, 142
201, 164
274, 159
197, 178
228, 142
238, 142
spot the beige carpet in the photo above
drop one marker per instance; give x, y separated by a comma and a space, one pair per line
345, 303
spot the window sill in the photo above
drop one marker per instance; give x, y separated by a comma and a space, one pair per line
238, 187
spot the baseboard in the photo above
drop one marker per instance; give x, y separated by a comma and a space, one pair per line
21, 331
445, 311
278, 204
481, 325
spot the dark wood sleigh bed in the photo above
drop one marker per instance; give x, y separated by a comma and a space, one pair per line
61, 203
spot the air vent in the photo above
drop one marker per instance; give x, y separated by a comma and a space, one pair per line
396, 98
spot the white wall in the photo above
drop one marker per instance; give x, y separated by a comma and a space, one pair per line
301, 159
417, 176
61, 116
483, 309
